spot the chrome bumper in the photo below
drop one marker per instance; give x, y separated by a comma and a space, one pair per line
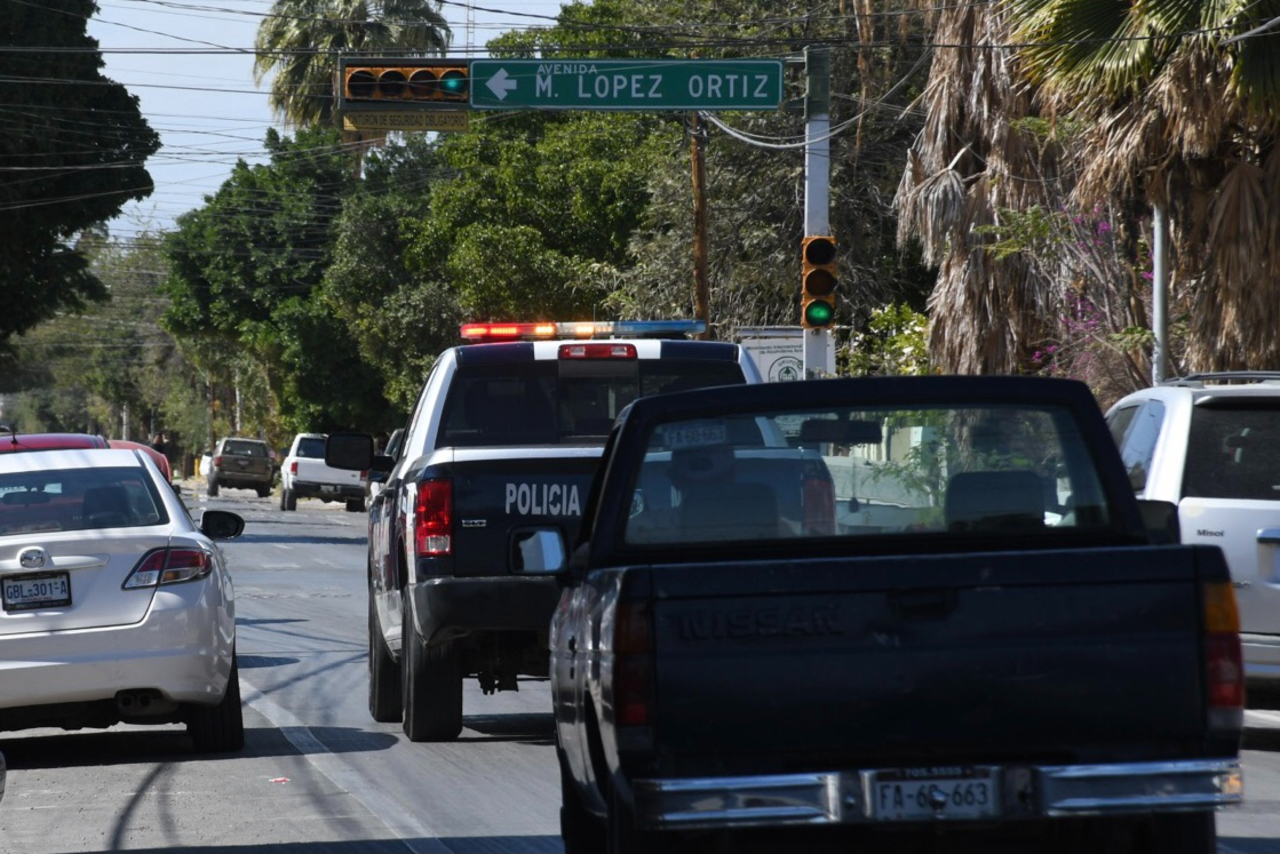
843, 797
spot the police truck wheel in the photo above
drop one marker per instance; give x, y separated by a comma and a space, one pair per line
431, 687
384, 675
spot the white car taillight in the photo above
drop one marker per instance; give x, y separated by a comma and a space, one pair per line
169, 566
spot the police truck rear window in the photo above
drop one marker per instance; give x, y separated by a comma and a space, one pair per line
543, 403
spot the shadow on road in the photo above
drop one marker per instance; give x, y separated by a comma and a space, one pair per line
301, 540
523, 728
444, 845
170, 743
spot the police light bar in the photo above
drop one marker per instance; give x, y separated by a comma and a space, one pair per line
478, 332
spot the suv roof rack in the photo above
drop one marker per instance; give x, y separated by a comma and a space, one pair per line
1199, 380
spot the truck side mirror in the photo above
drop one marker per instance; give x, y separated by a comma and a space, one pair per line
1160, 518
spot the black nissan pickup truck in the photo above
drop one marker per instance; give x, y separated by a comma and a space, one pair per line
472, 525
984, 642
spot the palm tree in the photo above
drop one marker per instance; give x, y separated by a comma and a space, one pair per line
1175, 115
1183, 99
301, 41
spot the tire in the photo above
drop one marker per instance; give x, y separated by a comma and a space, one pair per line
621, 834
213, 486
220, 728
1179, 833
355, 505
431, 686
264, 491
582, 832
289, 500
282, 507
385, 699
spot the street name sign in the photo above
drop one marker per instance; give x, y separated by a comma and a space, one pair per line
626, 84
434, 120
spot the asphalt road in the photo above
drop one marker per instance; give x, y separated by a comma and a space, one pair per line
318, 775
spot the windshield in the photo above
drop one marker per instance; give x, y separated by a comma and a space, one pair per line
78, 499
547, 402
858, 472
242, 448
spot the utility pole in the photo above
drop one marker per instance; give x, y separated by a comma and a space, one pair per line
819, 344
701, 288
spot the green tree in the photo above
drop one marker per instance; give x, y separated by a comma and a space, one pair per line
71, 156
244, 271
301, 40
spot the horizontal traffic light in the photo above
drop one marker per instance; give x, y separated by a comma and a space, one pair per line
406, 84
818, 282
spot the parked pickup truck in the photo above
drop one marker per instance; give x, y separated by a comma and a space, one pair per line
488, 486
983, 642
304, 474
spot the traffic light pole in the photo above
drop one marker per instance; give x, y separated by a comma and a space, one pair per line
819, 344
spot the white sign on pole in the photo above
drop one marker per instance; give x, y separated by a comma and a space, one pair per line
778, 351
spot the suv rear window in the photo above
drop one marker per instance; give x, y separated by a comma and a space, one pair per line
550, 402
242, 448
311, 446
1234, 452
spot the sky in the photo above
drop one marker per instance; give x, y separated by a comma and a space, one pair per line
205, 106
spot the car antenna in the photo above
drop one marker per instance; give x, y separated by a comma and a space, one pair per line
13, 433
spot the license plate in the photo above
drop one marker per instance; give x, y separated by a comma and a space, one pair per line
932, 794
327, 488
36, 590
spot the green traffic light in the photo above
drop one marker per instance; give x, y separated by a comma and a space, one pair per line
453, 82
819, 313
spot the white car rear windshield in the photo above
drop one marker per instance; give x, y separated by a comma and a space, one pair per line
78, 499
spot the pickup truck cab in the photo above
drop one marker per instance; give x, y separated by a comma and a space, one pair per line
980, 640
471, 526
304, 474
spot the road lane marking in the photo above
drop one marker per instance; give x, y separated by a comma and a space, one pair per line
417, 836
284, 546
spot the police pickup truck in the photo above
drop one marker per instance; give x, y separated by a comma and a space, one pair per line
983, 643
489, 484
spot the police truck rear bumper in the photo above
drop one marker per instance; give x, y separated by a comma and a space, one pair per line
445, 608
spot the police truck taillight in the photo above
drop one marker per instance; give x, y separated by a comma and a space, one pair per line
1223, 662
433, 519
819, 498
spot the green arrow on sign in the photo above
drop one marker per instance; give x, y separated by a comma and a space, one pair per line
626, 84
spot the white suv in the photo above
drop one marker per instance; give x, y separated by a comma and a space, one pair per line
1210, 443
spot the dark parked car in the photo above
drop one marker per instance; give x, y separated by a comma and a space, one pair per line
241, 464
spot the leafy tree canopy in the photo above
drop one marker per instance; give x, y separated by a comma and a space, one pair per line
72, 154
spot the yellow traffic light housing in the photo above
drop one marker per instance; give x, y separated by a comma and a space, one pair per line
818, 283
404, 84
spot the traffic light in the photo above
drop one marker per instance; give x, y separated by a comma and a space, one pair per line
404, 84
818, 283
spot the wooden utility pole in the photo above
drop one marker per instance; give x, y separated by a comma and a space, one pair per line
701, 289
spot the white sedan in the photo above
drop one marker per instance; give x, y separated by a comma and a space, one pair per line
116, 606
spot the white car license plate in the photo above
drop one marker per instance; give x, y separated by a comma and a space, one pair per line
324, 487
36, 590
931, 794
